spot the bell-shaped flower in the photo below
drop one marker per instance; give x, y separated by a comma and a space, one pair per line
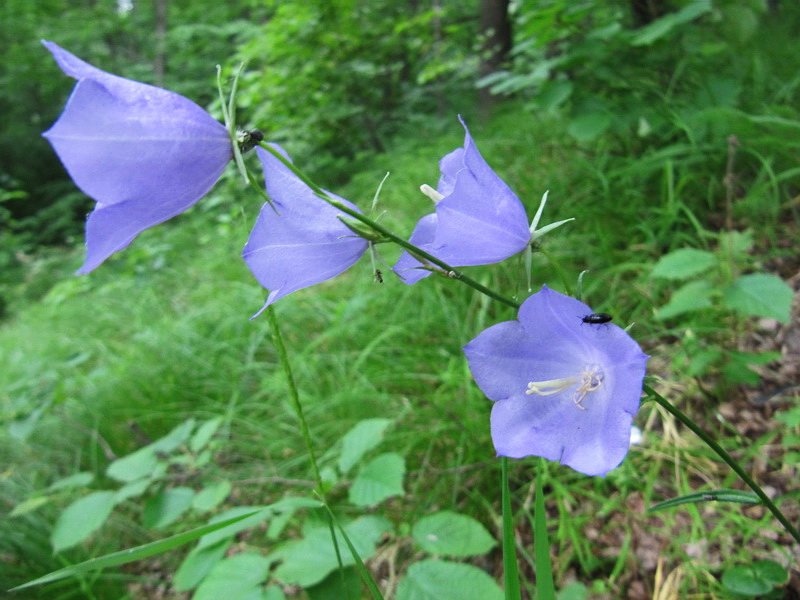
563, 388
299, 241
144, 154
478, 219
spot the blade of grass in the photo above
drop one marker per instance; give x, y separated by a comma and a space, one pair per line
510, 571
132, 554
545, 588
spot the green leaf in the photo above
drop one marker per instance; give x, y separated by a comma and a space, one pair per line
683, 264
339, 584
179, 435
761, 295
239, 576
587, 127
450, 533
745, 581
694, 295
379, 479
29, 505
166, 506
136, 465
308, 561
440, 580
133, 554
362, 438
204, 434
81, 479
661, 27
211, 495
198, 563
132, 489
709, 496
80, 519
257, 515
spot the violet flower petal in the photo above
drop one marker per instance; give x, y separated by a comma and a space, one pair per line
592, 374
143, 153
480, 221
304, 242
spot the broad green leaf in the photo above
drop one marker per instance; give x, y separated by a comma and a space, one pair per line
573, 591
440, 580
587, 127
80, 519
695, 295
284, 510
198, 563
179, 435
308, 561
136, 465
132, 489
661, 27
760, 295
257, 515
683, 264
211, 495
450, 533
337, 585
379, 479
132, 554
166, 506
237, 577
204, 434
744, 580
81, 479
362, 438
274, 592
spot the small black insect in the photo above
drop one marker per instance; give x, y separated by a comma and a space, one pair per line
597, 318
378, 275
249, 139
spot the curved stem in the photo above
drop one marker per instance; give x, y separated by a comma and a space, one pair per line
294, 395
450, 271
729, 460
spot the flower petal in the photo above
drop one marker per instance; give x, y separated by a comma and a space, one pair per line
480, 220
304, 242
143, 153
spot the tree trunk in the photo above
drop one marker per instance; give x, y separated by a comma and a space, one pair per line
495, 30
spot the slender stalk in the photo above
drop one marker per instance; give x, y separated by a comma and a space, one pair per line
510, 571
545, 587
294, 395
727, 458
451, 272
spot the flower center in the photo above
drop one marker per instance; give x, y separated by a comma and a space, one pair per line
589, 380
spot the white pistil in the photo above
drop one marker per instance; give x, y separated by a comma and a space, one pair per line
590, 380
430, 192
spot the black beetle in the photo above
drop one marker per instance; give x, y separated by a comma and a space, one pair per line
597, 318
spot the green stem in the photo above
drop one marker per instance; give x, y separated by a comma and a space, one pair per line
294, 395
449, 271
729, 460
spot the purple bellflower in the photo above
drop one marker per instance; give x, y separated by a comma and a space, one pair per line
300, 240
144, 154
478, 219
563, 389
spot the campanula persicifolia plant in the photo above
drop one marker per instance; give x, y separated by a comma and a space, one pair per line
565, 382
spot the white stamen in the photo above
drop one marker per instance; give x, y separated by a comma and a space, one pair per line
590, 380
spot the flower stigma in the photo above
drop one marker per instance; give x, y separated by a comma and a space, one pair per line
590, 380
430, 193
